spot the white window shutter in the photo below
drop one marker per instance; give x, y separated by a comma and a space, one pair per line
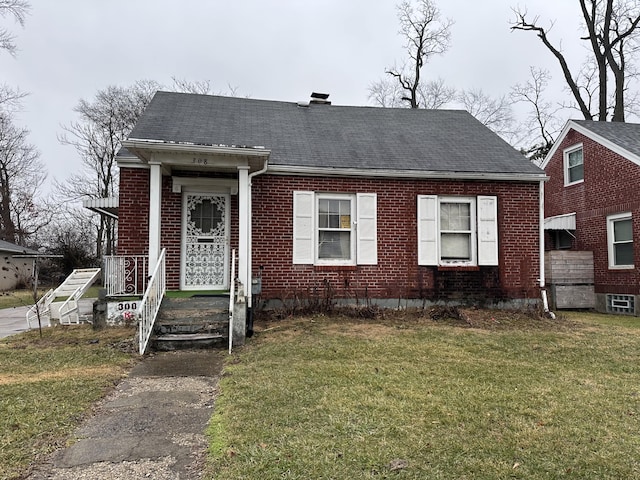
366, 229
303, 225
487, 230
427, 230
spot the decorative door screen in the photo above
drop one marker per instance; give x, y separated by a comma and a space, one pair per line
206, 241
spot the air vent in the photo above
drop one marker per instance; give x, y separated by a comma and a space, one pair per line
320, 99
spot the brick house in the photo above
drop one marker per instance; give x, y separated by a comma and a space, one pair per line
367, 203
591, 205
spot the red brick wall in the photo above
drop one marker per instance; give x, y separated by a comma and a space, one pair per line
609, 187
397, 274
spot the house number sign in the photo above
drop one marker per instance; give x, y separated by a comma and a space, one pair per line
199, 161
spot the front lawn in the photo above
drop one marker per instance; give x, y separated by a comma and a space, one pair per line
322, 398
48, 383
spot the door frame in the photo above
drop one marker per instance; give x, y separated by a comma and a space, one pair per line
183, 238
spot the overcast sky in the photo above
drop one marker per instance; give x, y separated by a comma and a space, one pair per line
266, 49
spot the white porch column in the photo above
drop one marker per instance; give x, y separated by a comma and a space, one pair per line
155, 199
243, 228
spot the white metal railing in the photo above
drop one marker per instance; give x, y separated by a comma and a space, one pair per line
41, 310
125, 274
232, 296
150, 304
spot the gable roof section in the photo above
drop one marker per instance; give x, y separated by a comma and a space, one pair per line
619, 137
333, 137
15, 249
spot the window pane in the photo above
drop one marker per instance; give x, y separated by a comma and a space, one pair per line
455, 246
334, 245
622, 231
455, 216
334, 214
623, 254
575, 158
575, 166
576, 173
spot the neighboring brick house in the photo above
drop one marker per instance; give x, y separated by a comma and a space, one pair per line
353, 202
592, 203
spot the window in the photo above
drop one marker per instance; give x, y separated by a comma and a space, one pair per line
621, 304
457, 231
563, 239
334, 229
620, 240
573, 165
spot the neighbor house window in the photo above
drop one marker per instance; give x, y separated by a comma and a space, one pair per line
334, 228
620, 239
457, 231
573, 165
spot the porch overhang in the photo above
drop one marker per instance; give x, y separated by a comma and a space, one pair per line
561, 222
188, 156
103, 206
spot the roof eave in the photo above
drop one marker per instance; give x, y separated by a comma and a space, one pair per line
421, 174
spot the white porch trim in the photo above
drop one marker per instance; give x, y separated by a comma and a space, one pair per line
155, 213
244, 225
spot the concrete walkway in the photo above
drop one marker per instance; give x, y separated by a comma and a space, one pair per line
152, 426
14, 320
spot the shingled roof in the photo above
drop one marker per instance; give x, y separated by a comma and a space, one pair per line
625, 135
333, 136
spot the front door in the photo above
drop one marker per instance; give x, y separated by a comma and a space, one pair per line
205, 241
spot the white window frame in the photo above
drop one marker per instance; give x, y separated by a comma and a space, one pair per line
471, 201
484, 230
566, 153
364, 228
352, 223
611, 220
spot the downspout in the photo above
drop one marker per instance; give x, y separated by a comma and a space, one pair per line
249, 288
543, 290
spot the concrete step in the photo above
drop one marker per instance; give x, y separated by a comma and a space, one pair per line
170, 342
192, 323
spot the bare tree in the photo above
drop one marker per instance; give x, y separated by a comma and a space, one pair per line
611, 30
97, 137
542, 122
495, 113
426, 34
18, 9
22, 214
201, 87
433, 94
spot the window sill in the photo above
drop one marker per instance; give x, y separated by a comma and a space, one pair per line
458, 268
622, 268
334, 268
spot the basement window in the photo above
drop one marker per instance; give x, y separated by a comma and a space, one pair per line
621, 304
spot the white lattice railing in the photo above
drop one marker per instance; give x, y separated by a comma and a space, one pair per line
150, 304
125, 274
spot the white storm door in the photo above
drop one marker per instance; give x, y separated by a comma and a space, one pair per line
205, 241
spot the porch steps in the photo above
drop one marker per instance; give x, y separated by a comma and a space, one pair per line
192, 323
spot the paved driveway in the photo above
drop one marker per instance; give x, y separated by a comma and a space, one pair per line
13, 320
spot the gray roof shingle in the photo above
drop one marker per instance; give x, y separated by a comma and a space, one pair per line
17, 249
625, 135
334, 136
